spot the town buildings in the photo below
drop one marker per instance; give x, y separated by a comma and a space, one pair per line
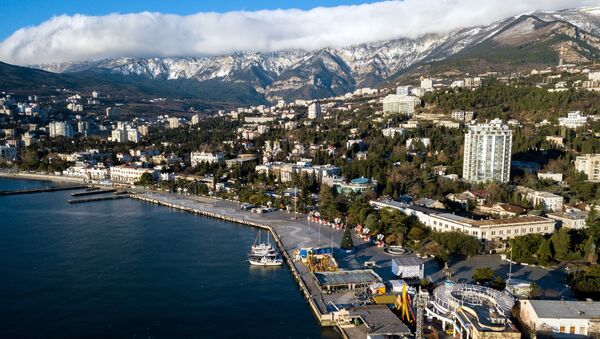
487, 152
196, 158
400, 104
573, 120
589, 165
60, 128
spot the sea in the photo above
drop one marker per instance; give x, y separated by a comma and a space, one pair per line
126, 269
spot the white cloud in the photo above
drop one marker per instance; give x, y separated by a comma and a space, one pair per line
79, 37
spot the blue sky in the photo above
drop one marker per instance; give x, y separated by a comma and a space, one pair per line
22, 13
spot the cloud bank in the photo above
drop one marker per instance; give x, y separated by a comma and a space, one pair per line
78, 37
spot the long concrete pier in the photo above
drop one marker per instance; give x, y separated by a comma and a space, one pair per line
301, 274
93, 192
110, 197
41, 190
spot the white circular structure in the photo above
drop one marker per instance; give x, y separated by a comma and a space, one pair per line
449, 297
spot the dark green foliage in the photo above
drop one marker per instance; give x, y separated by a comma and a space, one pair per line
347, 243
483, 275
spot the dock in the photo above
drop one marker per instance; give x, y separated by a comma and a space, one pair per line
110, 197
93, 192
41, 190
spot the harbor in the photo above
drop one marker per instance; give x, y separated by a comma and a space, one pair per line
290, 234
132, 269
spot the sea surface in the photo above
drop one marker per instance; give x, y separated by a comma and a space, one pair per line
125, 269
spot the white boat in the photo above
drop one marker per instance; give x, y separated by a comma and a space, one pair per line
259, 248
265, 261
263, 254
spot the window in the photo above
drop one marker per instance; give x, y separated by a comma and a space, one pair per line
562, 329
572, 330
531, 229
582, 330
507, 231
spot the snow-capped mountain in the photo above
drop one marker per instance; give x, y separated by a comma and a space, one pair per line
332, 71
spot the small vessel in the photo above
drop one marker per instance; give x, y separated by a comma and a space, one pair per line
260, 248
265, 261
263, 254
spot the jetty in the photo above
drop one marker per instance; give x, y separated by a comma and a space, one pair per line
110, 197
41, 190
93, 192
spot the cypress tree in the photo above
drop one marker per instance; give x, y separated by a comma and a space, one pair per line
347, 243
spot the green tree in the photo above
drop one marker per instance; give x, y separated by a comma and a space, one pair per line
416, 234
347, 243
483, 275
146, 179
561, 244
544, 252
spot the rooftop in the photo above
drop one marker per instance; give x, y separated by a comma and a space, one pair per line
380, 320
566, 309
347, 277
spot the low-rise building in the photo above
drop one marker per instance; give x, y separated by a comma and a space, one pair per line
358, 185
562, 318
485, 230
196, 158
573, 120
129, 174
548, 201
569, 219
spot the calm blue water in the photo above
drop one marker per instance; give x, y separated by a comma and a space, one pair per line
127, 269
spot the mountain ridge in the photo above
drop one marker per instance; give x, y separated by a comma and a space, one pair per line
327, 72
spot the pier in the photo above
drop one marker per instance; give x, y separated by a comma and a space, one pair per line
41, 190
93, 192
110, 197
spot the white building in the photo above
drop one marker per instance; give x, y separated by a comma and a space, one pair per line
173, 122
391, 132
427, 84
573, 120
314, 110
589, 164
408, 267
196, 158
562, 318
463, 115
60, 128
569, 219
195, 119
127, 174
485, 230
400, 104
403, 90
549, 201
556, 177
487, 152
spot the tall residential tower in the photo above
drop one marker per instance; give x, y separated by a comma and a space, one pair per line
487, 152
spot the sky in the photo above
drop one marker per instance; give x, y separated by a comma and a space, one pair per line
36, 31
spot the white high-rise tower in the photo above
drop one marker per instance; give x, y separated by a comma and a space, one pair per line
487, 152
